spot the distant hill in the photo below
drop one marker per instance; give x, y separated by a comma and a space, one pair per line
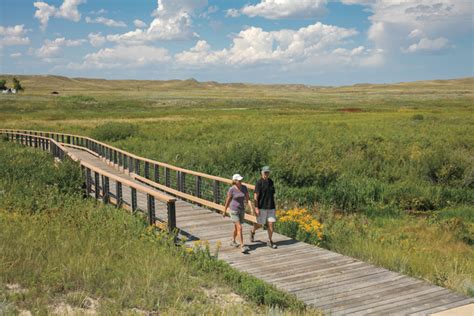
45, 84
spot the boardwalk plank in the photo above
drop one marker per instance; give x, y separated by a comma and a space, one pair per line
398, 290
461, 303
415, 304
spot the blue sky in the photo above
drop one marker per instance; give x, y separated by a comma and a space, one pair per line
322, 42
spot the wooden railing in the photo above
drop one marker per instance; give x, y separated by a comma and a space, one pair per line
197, 187
98, 182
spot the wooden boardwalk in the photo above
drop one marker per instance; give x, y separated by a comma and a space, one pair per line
337, 284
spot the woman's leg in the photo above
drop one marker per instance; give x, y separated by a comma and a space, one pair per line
234, 235
238, 228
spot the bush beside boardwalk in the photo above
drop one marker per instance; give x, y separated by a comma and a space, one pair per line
58, 249
387, 169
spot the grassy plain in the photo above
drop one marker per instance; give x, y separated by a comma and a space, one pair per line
388, 169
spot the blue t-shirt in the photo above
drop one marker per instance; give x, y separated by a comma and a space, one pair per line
238, 197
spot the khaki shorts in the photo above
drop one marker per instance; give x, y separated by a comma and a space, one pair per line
237, 216
265, 216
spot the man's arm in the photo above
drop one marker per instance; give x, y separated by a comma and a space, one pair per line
256, 193
255, 201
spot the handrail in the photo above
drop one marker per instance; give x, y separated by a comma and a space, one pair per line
59, 151
163, 164
205, 189
248, 217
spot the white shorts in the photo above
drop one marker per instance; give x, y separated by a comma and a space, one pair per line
265, 216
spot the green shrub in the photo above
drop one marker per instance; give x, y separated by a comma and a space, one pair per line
114, 131
78, 99
417, 117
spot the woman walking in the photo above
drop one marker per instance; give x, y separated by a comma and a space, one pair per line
237, 196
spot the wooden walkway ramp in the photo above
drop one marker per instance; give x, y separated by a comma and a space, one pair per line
337, 284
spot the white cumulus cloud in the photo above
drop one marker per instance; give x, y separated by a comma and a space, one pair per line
415, 23
172, 21
13, 35
428, 45
105, 21
256, 46
282, 9
233, 13
123, 57
96, 39
52, 48
139, 23
68, 10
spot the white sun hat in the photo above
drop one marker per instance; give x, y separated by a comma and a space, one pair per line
237, 177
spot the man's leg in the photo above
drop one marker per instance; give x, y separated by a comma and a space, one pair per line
255, 227
271, 219
270, 231
260, 221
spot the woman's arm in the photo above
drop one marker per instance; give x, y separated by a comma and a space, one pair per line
227, 203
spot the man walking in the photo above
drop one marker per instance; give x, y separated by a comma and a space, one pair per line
264, 198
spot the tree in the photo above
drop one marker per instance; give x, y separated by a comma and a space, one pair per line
3, 84
17, 85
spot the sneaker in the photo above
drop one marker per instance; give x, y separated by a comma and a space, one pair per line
245, 249
271, 245
252, 236
234, 244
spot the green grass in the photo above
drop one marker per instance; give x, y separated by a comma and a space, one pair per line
58, 248
398, 156
439, 250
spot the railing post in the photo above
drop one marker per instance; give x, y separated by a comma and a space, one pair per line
147, 170
120, 159
105, 189
217, 193
96, 186
125, 162
115, 157
137, 166
198, 186
167, 176
171, 218
183, 182
51, 148
68, 139
88, 182
130, 164
151, 209
178, 180
134, 199
118, 194
156, 172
